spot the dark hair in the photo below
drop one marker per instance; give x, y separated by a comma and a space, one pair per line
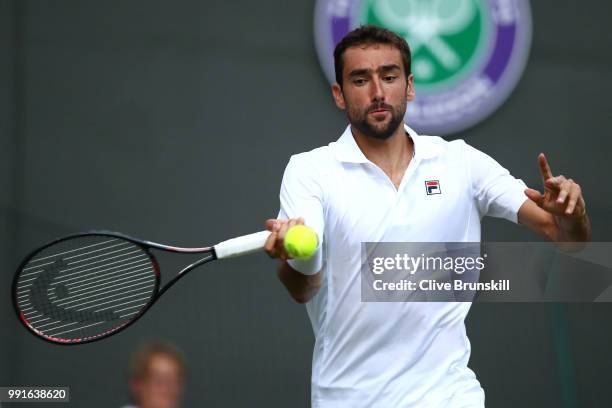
370, 34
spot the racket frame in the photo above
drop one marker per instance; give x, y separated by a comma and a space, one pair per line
156, 293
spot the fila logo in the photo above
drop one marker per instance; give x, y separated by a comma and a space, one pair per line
432, 187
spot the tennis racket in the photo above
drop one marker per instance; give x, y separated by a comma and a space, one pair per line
89, 286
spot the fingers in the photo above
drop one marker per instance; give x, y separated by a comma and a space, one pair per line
580, 210
284, 225
555, 183
575, 200
544, 167
563, 187
562, 197
270, 245
558, 191
535, 196
270, 224
274, 245
280, 247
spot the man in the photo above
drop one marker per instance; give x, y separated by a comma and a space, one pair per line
156, 375
369, 187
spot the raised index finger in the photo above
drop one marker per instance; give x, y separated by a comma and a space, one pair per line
544, 167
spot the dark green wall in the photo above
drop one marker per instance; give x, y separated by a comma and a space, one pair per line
173, 121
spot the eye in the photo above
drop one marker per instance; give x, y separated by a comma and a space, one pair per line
359, 81
390, 78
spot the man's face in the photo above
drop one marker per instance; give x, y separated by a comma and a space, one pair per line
162, 385
375, 91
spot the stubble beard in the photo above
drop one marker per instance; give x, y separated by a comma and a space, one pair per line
379, 130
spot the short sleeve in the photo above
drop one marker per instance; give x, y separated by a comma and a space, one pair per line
301, 195
496, 192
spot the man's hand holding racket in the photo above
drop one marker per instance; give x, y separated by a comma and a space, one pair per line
301, 287
275, 246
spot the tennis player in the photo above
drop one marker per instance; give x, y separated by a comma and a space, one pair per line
370, 186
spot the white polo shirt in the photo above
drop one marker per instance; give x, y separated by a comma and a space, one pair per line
391, 354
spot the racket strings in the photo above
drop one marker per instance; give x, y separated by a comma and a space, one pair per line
85, 286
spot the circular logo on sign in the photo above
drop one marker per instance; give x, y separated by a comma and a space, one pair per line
467, 55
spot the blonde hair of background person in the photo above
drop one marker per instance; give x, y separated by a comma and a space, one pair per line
156, 376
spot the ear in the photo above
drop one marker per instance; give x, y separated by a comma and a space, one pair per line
338, 96
410, 88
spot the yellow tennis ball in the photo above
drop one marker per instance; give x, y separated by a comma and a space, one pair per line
301, 242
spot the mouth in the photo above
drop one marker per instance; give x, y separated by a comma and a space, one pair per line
379, 109
379, 113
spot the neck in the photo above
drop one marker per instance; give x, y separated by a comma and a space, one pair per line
392, 155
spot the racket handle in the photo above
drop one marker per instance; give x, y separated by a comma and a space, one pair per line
243, 245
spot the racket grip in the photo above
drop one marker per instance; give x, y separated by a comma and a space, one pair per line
243, 245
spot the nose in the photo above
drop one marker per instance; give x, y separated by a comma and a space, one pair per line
377, 90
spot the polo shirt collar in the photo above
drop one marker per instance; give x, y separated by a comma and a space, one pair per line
347, 150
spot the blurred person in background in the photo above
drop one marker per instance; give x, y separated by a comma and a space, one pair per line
156, 376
